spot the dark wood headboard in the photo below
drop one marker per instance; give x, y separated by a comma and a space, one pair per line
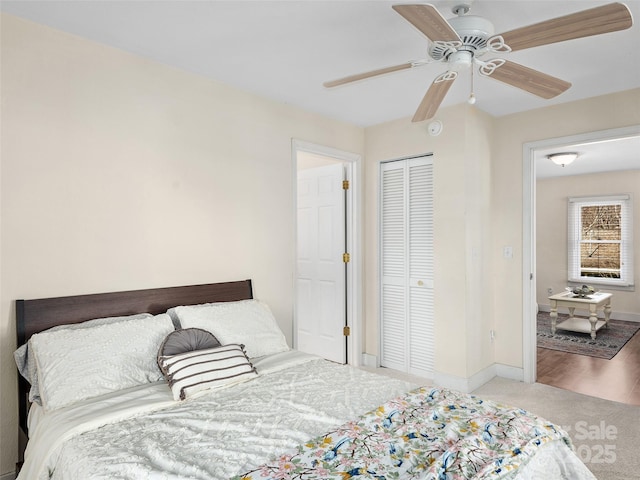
33, 316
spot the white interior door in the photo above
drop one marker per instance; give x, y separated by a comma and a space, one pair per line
321, 285
407, 340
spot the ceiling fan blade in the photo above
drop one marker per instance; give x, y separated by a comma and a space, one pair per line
362, 76
525, 78
595, 21
429, 21
434, 96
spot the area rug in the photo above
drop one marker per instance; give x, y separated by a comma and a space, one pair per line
607, 344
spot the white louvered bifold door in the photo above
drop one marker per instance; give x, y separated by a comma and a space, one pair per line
393, 245
407, 320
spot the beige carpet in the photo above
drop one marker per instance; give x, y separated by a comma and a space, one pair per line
606, 434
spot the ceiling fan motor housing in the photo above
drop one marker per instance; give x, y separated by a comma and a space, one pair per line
474, 32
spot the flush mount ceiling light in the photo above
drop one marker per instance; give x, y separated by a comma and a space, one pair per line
563, 158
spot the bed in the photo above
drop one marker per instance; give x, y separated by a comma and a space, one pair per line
224, 397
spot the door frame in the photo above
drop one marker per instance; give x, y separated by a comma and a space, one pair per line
353, 225
529, 353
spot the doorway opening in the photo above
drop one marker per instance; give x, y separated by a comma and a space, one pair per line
328, 281
535, 295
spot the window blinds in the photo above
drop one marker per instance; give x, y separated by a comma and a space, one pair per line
600, 248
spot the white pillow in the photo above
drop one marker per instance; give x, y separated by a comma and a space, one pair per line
212, 368
78, 364
249, 322
27, 363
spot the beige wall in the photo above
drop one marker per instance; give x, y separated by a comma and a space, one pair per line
119, 173
478, 168
551, 227
461, 155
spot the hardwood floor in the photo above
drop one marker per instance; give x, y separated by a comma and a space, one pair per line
617, 379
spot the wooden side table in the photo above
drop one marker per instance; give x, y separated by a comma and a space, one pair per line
598, 300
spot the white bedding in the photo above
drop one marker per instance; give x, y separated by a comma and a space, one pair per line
142, 433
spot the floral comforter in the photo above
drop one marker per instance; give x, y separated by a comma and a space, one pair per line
429, 433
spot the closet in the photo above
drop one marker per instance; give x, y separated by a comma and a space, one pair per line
407, 341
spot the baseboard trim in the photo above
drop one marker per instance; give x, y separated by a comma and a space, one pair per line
509, 372
468, 385
626, 316
8, 476
367, 360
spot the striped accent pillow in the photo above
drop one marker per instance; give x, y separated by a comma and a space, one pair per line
212, 368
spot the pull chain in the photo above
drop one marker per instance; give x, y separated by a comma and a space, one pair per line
472, 97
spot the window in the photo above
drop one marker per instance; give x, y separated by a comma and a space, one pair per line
600, 245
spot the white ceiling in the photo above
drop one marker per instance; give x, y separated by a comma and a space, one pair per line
593, 156
285, 50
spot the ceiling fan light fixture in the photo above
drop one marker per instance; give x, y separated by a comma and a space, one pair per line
460, 60
563, 158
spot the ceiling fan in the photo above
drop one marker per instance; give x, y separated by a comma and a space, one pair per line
462, 40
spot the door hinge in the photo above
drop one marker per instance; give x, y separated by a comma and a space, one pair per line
345, 184
346, 331
346, 258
